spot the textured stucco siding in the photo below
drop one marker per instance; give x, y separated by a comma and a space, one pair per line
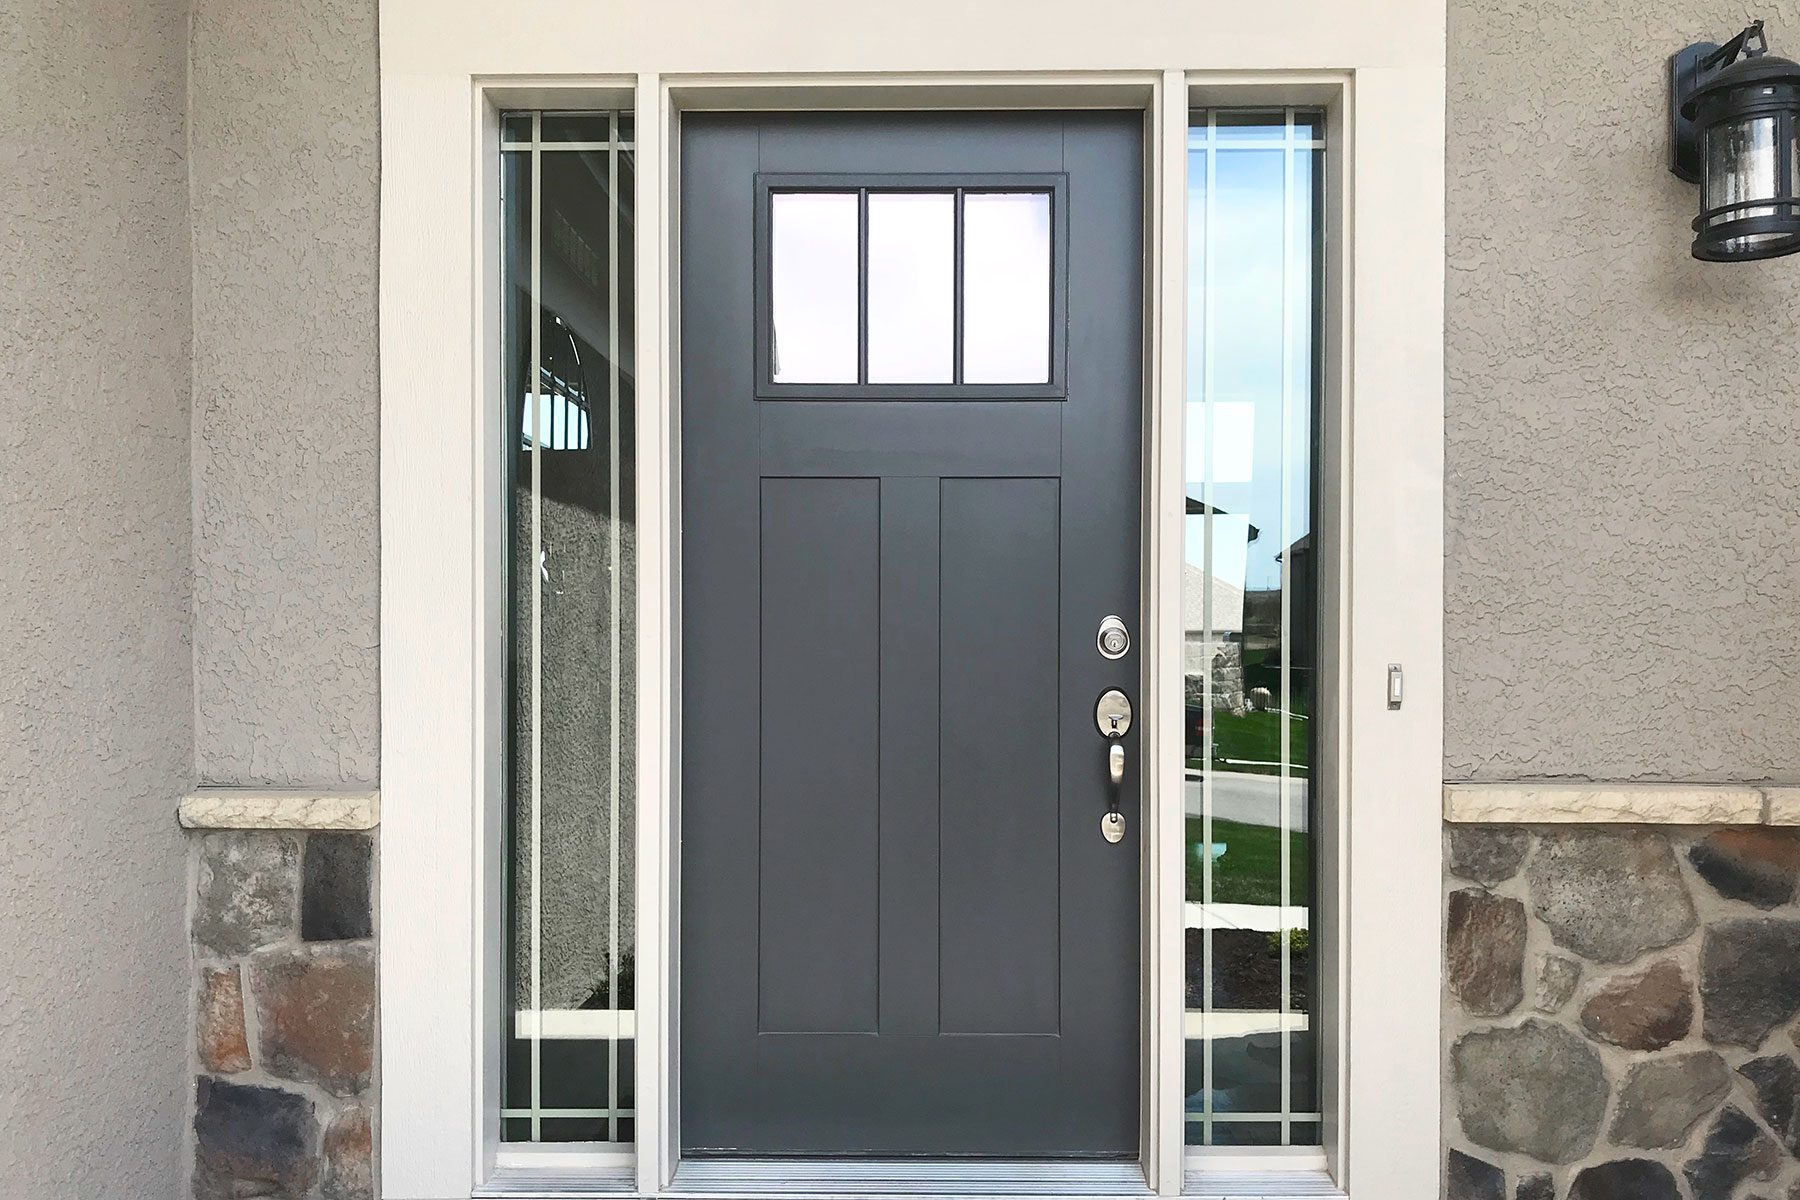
96, 727
286, 441
1623, 567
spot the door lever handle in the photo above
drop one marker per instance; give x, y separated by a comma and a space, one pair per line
1115, 764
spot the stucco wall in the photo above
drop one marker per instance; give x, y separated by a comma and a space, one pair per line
286, 444
95, 689
1622, 556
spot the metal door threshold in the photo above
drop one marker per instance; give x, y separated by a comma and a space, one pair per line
826, 1179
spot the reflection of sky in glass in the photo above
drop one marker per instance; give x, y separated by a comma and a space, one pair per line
813, 286
1248, 315
912, 283
1006, 287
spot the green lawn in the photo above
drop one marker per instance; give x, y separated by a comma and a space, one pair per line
1249, 872
1242, 743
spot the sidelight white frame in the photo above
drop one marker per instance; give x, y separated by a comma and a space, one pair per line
442, 601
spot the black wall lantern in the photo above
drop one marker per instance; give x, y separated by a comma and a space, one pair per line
1733, 115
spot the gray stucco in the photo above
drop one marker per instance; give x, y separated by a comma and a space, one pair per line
1622, 561
94, 694
286, 442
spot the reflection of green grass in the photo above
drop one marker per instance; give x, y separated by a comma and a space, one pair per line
1240, 742
1249, 872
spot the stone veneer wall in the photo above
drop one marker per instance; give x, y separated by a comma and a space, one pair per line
285, 1015
1619, 1013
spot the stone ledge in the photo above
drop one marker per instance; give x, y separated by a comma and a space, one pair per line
1620, 804
247, 808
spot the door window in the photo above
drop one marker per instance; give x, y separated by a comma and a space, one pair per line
911, 288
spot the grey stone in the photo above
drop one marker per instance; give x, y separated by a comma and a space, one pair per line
1556, 982
1757, 866
247, 889
1645, 1010
1664, 1098
1487, 854
1535, 1187
1608, 895
1537, 1089
1484, 951
1777, 1083
252, 1141
1735, 1150
334, 892
1468, 1178
1749, 979
1625, 1179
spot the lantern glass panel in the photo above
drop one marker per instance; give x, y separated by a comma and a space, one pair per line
1742, 164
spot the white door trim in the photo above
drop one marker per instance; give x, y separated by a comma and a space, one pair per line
441, 595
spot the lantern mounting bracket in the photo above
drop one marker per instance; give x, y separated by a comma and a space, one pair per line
1691, 66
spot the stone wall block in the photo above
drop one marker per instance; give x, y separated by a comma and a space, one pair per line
1663, 1098
247, 890
1540, 1186
1749, 979
335, 888
1736, 1149
220, 1039
1757, 865
349, 1157
1645, 1010
1776, 1080
1610, 895
1484, 951
252, 1141
1625, 1179
1557, 979
1469, 1178
316, 1014
1539, 1089
1488, 854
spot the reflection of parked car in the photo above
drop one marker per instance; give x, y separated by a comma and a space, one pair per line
1196, 731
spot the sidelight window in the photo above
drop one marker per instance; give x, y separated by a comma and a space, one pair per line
567, 258
1251, 622
915, 288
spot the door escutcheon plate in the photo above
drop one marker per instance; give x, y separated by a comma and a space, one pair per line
1112, 713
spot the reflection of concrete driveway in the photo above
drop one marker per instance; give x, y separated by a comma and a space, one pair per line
1252, 799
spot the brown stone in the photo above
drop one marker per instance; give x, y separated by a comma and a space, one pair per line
349, 1157
1484, 951
224, 1050
316, 1014
1643, 1011
1757, 866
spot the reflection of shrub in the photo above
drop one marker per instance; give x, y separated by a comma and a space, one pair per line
1299, 941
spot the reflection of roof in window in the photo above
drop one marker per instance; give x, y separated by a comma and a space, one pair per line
1227, 602
1200, 508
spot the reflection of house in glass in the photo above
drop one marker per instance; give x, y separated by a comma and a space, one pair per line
1212, 607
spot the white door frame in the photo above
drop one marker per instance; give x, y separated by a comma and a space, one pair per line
442, 587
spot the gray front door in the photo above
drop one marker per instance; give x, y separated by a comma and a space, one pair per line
911, 387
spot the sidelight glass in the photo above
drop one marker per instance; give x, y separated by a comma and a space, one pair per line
1006, 287
1251, 618
912, 280
570, 813
813, 275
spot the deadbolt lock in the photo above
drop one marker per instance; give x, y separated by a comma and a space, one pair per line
1113, 640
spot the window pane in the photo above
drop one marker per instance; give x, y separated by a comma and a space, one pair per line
570, 807
1006, 287
912, 286
813, 272
1250, 613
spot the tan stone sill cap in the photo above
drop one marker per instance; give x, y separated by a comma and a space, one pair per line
1621, 804
250, 808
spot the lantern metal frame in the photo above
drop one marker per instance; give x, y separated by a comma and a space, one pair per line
1711, 86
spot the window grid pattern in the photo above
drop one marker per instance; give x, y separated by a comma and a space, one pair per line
574, 499
1224, 448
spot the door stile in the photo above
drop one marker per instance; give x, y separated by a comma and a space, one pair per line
1164, 1118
